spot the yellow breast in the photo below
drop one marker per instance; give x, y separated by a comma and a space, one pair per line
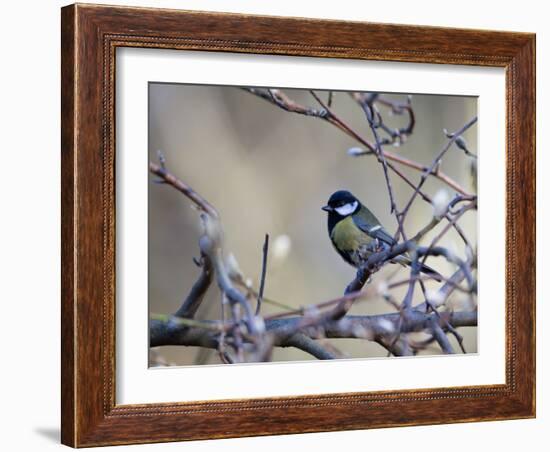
348, 236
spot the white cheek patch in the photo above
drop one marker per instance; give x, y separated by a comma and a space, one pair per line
347, 209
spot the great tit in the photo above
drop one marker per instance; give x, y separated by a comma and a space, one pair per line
356, 233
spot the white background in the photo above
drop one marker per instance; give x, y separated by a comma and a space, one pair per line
29, 226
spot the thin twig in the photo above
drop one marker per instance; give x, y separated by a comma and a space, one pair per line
430, 170
264, 271
170, 179
368, 110
285, 103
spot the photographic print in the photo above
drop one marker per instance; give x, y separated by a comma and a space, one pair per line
289, 207
293, 225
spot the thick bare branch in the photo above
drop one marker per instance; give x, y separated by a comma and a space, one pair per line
167, 330
308, 345
198, 291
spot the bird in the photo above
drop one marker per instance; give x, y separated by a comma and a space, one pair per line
356, 233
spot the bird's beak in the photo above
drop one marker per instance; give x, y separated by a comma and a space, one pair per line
327, 208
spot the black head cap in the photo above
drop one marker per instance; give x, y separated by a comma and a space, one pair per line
338, 199
341, 197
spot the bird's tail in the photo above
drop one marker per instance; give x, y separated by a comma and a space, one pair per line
404, 260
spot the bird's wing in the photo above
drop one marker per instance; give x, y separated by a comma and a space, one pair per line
369, 224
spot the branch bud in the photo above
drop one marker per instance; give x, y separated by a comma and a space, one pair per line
440, 203
281, 248
435, 297
356, 151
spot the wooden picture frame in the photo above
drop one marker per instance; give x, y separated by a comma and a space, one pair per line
90, 36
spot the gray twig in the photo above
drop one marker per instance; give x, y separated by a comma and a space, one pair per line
265, 250
192, 302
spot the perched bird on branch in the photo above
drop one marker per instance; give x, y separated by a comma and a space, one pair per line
356, 233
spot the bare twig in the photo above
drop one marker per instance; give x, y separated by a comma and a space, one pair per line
170, 179
196, 295
308, 345
460, 143
430, 170
282, 101
264, 271
368, 109
441, 337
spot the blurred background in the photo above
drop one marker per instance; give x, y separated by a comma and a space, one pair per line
270, 171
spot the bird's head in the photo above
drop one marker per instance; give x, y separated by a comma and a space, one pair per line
342, 203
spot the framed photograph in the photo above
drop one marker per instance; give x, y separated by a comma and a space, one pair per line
282, 225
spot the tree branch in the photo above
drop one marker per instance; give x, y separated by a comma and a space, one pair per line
167, 330
211, 241
167, 178
198, 291
308, 345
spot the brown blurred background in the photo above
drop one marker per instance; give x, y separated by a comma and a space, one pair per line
270, 171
